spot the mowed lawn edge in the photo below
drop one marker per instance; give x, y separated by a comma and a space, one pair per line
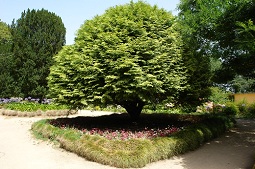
133, 153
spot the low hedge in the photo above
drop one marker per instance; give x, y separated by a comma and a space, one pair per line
37, 113
134, 153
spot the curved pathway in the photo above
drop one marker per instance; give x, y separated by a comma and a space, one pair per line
19, 150
234, 150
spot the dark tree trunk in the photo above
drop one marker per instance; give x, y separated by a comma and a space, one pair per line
134, 109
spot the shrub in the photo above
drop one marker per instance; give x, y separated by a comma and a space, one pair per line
218, 96
251, 110
243, 108
231, 109
246, 110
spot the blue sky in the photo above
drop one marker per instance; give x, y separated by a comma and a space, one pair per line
73, 13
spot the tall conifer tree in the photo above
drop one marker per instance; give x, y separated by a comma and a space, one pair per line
37, 36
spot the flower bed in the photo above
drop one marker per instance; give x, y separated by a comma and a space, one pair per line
145, 141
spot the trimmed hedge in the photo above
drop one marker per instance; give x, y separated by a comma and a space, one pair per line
135, 152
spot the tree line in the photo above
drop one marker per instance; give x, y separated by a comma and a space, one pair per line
132, 55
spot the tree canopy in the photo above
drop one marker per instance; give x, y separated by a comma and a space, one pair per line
224, 30
130, 56
5, 33
37, 36
191, 24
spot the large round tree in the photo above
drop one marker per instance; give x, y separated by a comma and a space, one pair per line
130, 56
37, 35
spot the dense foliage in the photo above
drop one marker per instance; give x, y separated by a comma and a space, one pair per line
224, 30
130, 56
6, 57
195, 56
5, 34
37, 36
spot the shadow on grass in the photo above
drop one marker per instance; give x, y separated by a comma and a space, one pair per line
123, 121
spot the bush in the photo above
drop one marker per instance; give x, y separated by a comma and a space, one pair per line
251, 110
231, 109
243, 108
218, 96
246, 110
133, 152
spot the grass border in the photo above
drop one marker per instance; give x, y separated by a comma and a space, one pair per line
134, 153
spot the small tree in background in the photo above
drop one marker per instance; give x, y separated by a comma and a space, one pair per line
130, 56
192, 20
241, 84
37, 36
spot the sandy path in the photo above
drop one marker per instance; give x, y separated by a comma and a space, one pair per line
234, 150
19, 150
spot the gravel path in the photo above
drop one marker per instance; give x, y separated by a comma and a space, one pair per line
19, 150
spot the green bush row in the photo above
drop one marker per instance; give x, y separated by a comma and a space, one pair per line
239, 110
134, 152
31, 106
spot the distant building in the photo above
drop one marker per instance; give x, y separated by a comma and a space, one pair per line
247, 97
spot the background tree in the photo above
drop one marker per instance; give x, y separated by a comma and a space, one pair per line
191, 24
37, 36
130, 56
5, 33
6, 80
241, 84
220, 29
235, 35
